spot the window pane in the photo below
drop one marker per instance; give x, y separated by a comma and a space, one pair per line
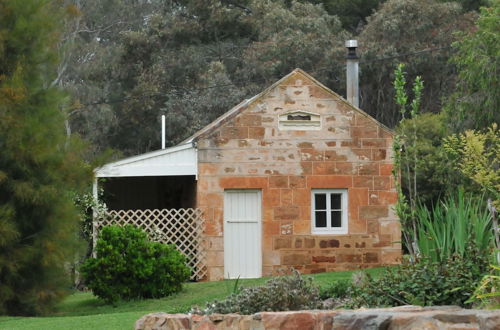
320, 201
336, 218
320, 219
336, 201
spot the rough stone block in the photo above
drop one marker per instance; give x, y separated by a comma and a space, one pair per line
256, 132
302, 197
302, 227
365, 131
329, 243
297, 182
279, 181
234, 132
383, 197
286, 197
311, 155
386, 169
381, 182
331, 181
373, 211
297, 258
370, 257
362, 181
287, 213
282, 243
368, 169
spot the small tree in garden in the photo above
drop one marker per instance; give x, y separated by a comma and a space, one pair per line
405, 159
129, 266
478, 157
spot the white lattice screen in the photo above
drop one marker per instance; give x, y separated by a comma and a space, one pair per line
181, 227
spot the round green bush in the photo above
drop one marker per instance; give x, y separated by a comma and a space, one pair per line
129, 266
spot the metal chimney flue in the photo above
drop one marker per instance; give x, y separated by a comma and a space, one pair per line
352, 67
163, 131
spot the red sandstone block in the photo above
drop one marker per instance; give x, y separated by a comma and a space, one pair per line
271, 228
362, 181
323, 168
247, 182
370, 257
311, 155
386, 169
329, 181
383, 197
363, 154
289, 320
286, 197
230, 132
372, 226
344, 168
362, 120
296, 258
379, 154
364, 132
287, 213
318, 92
306, 168
357, 226
349, 258
213, 228
357, 197
373, 143
331, 155
271, 198
279, 181
355, 142
384, 133
209, 199
302, 197
281, 242
256, 132
248, 120
373, 211
382, 182
297, 181
207, 169
303, 227
305, 145
368, 169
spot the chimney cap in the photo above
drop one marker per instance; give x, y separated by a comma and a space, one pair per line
351, 43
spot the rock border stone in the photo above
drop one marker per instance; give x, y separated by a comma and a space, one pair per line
397, 318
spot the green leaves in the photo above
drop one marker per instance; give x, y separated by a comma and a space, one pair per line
129, 266
476, 101
456, 223
39, 163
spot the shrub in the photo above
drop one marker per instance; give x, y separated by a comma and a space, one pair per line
426, 283
284, 293
338, 289
452, 225
129, 266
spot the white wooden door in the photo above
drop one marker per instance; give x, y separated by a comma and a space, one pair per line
242, 234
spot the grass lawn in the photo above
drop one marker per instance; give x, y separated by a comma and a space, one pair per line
82, 310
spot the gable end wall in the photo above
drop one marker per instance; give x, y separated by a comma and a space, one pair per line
350, 151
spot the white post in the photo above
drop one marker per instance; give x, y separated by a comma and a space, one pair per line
352, 72
94, 216
163, 131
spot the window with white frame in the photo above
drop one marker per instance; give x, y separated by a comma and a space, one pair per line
329, 211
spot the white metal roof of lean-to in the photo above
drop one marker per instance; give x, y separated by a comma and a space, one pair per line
175, 161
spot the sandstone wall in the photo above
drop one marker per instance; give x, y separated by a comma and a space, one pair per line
349, 151
400, 318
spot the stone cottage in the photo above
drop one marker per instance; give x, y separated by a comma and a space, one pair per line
294, 177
